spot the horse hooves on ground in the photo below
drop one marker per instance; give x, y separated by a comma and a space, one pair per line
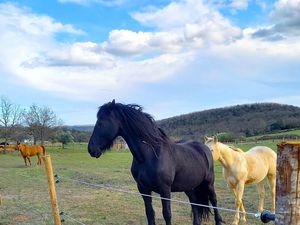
243, 220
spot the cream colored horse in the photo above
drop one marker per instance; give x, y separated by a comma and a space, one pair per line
243, 168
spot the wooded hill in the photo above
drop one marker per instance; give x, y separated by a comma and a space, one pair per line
239, 121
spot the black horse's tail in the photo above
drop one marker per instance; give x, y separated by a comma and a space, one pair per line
203, 199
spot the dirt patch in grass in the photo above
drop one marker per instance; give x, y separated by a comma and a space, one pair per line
20, 218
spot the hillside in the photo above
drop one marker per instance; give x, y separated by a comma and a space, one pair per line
241, 120
83, 128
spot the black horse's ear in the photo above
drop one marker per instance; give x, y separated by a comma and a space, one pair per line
111, 105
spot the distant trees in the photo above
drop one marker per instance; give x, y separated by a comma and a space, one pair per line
40, 121
37, 123
226, 137
81, 136
64, 137
10, 117
241, 120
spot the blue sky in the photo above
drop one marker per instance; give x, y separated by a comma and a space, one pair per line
171, 57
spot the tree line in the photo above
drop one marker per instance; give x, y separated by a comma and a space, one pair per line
235, 122
37, 123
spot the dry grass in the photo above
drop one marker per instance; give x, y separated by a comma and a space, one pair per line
25, 196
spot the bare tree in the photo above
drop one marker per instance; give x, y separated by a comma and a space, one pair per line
10, 117
40, 121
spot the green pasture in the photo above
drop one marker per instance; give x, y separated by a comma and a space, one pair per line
269, 143
26, 201
277, 134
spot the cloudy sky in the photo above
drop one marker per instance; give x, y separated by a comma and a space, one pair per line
171, 57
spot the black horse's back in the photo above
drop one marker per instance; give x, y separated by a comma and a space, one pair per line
200, 151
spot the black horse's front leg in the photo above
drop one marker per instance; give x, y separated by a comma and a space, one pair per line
148, 205
166, 205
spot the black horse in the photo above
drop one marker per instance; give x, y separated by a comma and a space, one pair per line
159, 164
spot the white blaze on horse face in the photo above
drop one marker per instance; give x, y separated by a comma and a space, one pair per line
212, 146
209, 144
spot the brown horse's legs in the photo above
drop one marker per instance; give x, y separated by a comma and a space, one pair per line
29, 160
39, 160
25, 160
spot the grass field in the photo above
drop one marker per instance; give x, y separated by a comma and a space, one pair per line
25, 195
281, 133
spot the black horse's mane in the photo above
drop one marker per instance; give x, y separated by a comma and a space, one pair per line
138, 123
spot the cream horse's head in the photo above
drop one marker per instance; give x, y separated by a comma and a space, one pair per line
211, 143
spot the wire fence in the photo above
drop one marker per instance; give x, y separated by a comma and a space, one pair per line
67, 216
257, 215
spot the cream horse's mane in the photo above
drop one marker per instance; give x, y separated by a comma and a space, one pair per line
236, 149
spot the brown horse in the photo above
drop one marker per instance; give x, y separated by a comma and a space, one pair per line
28, 151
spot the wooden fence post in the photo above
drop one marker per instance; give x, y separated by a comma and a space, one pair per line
288, 184
52, 192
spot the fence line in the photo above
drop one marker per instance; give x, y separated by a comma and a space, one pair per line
71, 218
256, 215
26, 207
40, 179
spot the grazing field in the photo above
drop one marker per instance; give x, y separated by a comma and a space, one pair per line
278, 135
25, 196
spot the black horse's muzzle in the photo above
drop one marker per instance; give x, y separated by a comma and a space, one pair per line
94, 151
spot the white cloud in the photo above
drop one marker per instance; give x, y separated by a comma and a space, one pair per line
177, 14
25, 35
82, 70
180, 26
126, 42
77, 54
239, 4
283, 48
108, 3
130, 59
285, 19
192, 22
88, 83
22, 20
